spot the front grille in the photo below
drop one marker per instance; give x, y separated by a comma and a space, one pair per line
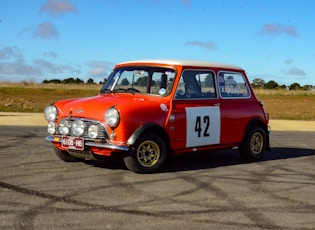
102, 133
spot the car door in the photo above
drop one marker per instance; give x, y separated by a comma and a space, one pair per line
197, 110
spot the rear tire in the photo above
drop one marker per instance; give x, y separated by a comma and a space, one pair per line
64, 155
147, 155
254, 144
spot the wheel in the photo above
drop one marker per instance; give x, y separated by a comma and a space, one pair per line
254, 145
64, 155
147, 155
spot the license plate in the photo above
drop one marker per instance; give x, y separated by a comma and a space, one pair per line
76, 143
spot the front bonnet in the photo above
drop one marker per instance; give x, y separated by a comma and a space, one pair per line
94, 108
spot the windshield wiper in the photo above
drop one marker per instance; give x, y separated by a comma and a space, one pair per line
103, 91
128, 90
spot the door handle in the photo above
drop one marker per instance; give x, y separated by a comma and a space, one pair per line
217, 104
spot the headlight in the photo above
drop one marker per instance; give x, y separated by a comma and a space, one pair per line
51, 113
93, 131
51, 128
78, 128
112, 117
63, 127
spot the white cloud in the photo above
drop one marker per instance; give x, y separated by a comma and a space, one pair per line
207, 44
288, 61
50, 54
8, 52
58, 7
100, 69
18, 67
45, 30
296, 71
186, 2
51, 68
277, 29
13, 67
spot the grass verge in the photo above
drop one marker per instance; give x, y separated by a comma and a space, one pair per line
19, 97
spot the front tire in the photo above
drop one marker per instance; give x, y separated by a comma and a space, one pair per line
147, 155
254, 144
64, 155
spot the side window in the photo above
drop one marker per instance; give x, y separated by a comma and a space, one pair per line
196, 84
232, 85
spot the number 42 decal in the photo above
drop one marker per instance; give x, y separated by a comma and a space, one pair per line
203, 126
202, 123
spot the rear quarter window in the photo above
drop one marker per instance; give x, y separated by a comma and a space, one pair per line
232, 85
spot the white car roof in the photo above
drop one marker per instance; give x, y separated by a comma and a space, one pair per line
183, 62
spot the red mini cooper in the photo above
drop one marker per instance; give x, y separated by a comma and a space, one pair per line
150, 109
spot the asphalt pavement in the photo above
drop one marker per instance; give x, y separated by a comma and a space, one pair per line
205, 191
197, 191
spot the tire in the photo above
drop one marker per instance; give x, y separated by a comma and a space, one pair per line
64, 155
147, 155
254, 144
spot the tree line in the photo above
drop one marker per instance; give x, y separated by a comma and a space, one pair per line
71, 81
257, 83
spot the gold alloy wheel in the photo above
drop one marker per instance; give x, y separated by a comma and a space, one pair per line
257, 143
148, 153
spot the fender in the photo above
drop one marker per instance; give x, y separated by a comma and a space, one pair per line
262, 124
132, 139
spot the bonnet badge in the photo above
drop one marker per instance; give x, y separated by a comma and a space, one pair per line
78, 111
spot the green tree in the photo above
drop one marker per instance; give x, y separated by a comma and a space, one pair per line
271, 85
68, 80
71, 80
54, 81
125, 81
294, 86
307, 87
90, 81
142, 81
209, 81
281, 87
258, 83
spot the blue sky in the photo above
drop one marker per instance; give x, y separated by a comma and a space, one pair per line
57, 39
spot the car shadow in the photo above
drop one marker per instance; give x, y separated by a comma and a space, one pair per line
231, 157
206, 160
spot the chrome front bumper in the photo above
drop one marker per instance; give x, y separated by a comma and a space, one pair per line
92, 144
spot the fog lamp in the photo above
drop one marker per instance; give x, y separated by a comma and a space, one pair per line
78, 128
93, 131
51, 128
63, 127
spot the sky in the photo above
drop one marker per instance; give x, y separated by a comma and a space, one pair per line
58, 39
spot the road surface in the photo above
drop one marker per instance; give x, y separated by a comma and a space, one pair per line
199, 191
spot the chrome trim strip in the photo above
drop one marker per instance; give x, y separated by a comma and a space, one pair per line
107, 146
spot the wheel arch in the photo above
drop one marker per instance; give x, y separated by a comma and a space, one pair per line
257, 122
147, 128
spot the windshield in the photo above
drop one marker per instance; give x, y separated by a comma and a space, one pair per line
140, 79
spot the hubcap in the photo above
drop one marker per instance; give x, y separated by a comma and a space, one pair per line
257, 143
148, 153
